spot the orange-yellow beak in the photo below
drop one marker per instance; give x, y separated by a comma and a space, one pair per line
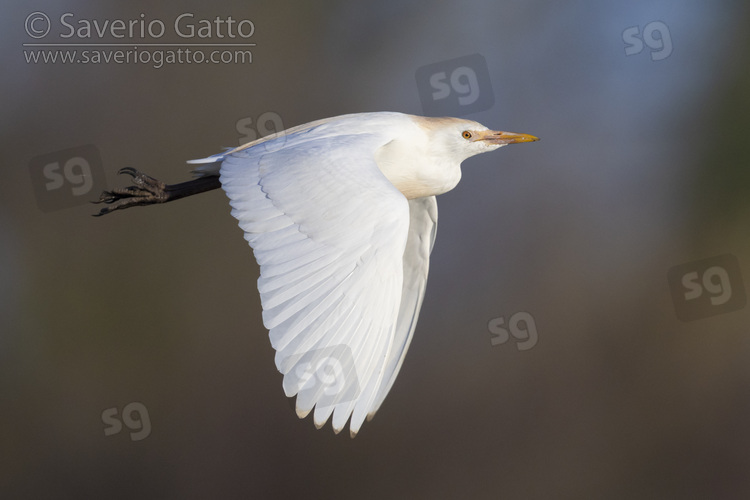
498, 137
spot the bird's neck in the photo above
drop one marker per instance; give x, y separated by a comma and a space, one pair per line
417, 173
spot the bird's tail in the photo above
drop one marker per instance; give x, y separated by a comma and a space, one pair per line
210, 165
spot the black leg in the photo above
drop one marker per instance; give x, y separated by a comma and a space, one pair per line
148, 191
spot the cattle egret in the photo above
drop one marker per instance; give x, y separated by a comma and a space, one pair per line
341, 216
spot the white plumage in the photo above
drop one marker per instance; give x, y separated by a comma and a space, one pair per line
341, 215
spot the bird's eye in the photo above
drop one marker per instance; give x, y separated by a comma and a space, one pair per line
466, 134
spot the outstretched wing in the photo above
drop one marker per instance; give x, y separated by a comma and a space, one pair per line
422, 231
329, 233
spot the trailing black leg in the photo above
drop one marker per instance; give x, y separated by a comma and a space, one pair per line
149, 191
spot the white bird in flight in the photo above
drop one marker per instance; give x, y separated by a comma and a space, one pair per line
341, 216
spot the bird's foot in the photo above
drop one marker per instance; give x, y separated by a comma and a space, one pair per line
145, 191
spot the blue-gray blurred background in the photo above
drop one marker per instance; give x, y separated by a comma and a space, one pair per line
133, 360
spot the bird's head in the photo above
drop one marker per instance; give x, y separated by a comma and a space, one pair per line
424, 158
459, 139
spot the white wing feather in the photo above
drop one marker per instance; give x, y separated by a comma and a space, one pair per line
329, 233
422, 231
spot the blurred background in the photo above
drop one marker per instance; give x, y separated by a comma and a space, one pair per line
585, 331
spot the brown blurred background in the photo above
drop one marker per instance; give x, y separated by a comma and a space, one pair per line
153, 312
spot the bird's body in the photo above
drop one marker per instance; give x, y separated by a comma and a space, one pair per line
415, 153
341, 215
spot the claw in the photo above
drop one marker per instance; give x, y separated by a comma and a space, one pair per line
128, 170
145, 191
